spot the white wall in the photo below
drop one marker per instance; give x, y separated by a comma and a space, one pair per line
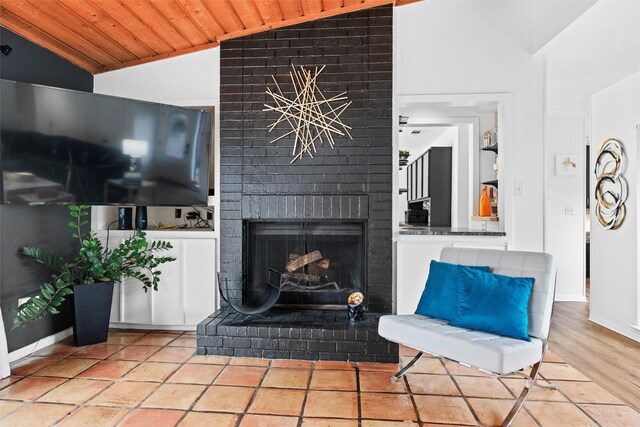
615, 113
471, 47
564, 230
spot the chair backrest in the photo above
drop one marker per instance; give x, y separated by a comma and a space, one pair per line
538, 265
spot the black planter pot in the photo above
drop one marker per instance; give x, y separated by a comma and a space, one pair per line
91, 312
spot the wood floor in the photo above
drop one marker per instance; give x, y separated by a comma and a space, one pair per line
609, 359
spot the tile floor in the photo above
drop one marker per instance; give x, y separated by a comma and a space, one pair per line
154, 379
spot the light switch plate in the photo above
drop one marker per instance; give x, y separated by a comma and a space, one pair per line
518, 188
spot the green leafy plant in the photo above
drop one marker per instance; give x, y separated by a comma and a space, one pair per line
134, 257
404, 153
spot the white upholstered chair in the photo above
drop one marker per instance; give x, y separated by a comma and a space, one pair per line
492, 354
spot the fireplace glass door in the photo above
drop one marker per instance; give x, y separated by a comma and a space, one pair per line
314, 263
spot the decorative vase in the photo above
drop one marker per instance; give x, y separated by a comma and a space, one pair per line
91, 312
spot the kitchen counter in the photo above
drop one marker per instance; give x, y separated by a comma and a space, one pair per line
421, 230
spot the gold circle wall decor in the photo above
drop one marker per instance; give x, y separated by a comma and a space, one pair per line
611, 188
310, 115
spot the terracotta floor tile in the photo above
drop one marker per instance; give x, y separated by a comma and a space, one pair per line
151, 371
444, 409
214, 360
384, 406
376, 423
327, 379
9, 406
135, 352
200, 419
155, 339
7, 381
331, 404
457, 369
426, 365
386, 367
183, 342
274, 401
249, 361
613, 415
127, 393
75, 391
561, 371
380, 381
97, 351
330, 364
189, 333
483, 387
38, 414
108, 369
491, 412
196, 374
292, 364
58, 350
93, 416
30, 388
66, 368
286, 378
407, 351
432, 384
583, 392
174, 396
240, 375
172, 354
537, 393
124, 338
30, 365
152, 418
558, 414
225, 399
251, 420
330, 422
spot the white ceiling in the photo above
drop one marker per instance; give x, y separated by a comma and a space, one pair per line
600, 48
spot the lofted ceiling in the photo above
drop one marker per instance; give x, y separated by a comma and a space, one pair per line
105, 35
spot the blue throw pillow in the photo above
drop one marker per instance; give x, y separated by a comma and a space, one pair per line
494, 303
440, 296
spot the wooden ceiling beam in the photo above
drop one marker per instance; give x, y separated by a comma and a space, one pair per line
106, 35
39, 37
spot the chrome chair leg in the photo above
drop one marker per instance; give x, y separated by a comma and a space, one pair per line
404, 370
523, 395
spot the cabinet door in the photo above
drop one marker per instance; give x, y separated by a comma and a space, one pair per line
168, 300
199, 279
413, 270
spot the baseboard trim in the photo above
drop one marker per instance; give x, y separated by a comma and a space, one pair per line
40, 344
628, 331
118, 325
571, 298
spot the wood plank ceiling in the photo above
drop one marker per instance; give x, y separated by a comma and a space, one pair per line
105, 35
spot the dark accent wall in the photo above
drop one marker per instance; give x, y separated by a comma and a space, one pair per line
352, 181
42, 226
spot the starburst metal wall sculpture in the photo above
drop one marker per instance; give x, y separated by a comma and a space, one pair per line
311, 116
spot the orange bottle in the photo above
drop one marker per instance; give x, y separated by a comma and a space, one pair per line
485, 204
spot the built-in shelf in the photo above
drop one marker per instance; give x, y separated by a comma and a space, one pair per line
493, 183
492, 147
485, 218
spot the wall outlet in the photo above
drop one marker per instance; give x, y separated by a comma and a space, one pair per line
568, 210
178, 213
209, 215
22, 300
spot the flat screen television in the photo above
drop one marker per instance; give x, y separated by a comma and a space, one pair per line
63, 146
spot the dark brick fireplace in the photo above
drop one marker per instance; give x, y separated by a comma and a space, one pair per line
350, 184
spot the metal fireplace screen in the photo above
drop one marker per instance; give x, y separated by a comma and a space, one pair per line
313, 263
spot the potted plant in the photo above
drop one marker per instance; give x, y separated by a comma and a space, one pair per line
90, 277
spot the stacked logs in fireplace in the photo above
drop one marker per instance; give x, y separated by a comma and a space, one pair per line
309, 272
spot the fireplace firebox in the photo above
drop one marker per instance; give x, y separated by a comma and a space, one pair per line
315, 264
